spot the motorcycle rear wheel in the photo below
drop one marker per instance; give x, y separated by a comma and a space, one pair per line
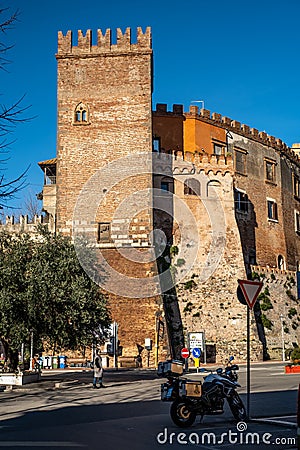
237, 407
182, 413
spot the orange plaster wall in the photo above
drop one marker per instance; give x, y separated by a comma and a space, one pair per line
198, 135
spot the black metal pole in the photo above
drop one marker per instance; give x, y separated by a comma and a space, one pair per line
248, 362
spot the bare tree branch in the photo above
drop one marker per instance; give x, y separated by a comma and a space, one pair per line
10, 116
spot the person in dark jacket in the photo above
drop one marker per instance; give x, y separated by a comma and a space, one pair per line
98, 371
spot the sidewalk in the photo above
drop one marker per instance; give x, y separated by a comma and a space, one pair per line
52, 379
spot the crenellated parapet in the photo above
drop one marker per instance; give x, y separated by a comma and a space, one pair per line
104, 42
192, 163
235, 126
162, 109
242, 129
22, 224
267, 271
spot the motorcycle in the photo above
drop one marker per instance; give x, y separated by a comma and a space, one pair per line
191, 398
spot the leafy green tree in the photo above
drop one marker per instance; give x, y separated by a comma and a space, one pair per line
44, 289
15, 253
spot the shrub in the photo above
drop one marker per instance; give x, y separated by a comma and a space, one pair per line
295, 355
267, 323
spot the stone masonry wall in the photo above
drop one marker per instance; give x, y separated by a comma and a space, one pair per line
209, 259
280, 307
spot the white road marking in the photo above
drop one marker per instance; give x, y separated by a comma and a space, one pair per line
50, 444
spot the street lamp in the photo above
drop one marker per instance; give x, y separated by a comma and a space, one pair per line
282, 338
31, 349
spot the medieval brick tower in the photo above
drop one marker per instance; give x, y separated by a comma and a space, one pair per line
104, 125
104, 110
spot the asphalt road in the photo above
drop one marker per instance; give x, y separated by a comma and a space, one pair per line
128, 413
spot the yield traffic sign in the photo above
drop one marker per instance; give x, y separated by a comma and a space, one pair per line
185, 353
250, 290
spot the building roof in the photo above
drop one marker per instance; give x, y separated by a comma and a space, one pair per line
48, 162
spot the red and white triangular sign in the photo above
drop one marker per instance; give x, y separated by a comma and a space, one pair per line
250, 290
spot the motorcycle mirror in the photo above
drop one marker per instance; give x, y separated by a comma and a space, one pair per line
231, 358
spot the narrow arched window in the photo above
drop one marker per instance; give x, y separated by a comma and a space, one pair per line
210, 187
81, 113
191, 186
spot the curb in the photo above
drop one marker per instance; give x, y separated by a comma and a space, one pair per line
275, 422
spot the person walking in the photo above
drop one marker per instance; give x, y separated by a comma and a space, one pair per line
98, 371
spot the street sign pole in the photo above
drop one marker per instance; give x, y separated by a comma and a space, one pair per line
185, 353
249, 291
248, 362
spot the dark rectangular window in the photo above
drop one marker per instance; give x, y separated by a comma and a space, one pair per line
296, 186
270, 171
156, 145
164, 186
272, 210
297, 222
103, 232
241, 201
240, 162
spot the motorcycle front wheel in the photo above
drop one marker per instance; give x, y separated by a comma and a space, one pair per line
237, 407
182, 414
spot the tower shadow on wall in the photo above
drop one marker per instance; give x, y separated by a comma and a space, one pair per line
163, 219
246, 221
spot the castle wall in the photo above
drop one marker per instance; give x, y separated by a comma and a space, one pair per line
207, 291
291, 207
22, 224
266, 237
280, 308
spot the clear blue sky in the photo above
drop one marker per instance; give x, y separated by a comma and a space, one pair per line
241, 58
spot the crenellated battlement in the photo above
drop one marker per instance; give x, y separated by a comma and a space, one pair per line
22, 223
192, 163
104, 42
162, 109
242, 129
266, 270
231, 125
